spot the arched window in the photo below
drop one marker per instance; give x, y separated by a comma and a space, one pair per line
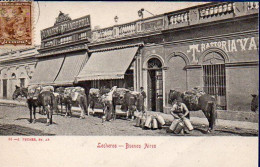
214, 77
13, 76
154, 63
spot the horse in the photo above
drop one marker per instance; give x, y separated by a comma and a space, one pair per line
95, 97
78, 96
59, 94
204, 102
48, 101
37, 98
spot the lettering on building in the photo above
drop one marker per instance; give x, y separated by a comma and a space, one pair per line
229, 46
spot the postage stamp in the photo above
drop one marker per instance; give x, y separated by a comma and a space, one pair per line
16, 24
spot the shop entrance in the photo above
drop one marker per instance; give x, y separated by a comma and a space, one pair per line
155, 85
5, 88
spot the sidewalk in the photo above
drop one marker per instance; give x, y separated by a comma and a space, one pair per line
168, 118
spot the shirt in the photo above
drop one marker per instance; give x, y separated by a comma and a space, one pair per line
182, 108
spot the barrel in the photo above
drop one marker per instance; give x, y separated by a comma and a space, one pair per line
174, 124
155, 124
160, 119
187, 123
178, 128
148, 122
142, 121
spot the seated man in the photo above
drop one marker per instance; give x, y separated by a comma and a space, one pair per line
179, 111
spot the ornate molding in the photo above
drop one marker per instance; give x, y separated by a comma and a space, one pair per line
62, 18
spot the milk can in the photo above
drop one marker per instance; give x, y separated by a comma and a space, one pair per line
160, 119
188, 123
155, 123
179, 128
174, 124
148, 122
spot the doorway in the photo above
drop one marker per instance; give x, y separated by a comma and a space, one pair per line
4, 88
155, 85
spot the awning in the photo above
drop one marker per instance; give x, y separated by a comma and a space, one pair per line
47, 70
71, 67
107, 65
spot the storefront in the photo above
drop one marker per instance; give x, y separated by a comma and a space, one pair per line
222, 59
110, 67
63, 51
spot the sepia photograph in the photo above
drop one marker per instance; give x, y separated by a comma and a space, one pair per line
174, 70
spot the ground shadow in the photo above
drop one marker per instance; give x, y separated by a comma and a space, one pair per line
39, 120
11, 129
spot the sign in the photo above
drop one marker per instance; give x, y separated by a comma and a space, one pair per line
229, 46
66, 26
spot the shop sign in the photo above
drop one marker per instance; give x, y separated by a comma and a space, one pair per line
229, 46
65, 27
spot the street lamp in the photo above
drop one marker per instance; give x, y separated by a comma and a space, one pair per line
116, 19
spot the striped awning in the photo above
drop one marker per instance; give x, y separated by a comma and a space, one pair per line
71, 67
108, 64
47, 70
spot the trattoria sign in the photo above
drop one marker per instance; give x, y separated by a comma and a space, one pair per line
229, 46
65, 27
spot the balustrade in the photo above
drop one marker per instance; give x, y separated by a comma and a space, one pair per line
216, 10
178, 18
127, 29
252, 5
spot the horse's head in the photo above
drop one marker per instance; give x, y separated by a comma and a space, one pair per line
173, 95
23, 92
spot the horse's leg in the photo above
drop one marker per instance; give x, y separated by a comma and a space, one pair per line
213, 116
30, 108
82, 114
70, 109
114, 111
46, 108
51, 112
34, 114
61, 107
66, 109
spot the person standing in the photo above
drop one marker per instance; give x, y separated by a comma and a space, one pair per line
143, 97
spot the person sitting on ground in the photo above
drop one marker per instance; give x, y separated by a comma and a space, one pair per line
179, 111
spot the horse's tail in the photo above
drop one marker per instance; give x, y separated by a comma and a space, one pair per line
54, 102
213, 113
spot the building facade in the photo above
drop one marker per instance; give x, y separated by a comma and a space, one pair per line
212, 46
16, 68
63, 51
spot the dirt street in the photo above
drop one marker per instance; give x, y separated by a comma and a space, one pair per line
14, 121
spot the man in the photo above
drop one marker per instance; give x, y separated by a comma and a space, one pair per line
143, 99
179, 111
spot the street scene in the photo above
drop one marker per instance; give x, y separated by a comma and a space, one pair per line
188, 70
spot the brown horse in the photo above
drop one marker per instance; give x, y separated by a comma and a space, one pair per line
205, 102
37, 98
48, 102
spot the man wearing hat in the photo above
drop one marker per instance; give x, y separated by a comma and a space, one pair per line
179, 111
